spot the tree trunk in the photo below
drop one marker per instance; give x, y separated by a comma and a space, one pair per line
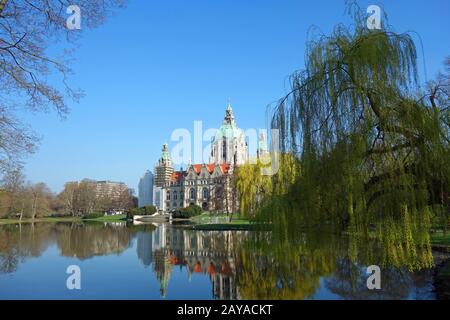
33, 207
21, 214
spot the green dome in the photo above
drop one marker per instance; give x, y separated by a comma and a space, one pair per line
229, 131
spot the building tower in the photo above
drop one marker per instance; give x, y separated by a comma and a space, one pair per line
164, 169
229, 145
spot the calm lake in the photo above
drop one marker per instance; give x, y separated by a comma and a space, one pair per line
173, 262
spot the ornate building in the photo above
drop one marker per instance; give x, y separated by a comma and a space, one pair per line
206, 185
229, 145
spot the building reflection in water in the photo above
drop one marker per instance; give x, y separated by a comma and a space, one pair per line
209, 253
319, 266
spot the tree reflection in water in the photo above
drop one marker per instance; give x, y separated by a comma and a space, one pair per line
240, 265
292, 265
80, 240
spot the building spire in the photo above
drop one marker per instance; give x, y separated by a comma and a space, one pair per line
165, 155
229, 115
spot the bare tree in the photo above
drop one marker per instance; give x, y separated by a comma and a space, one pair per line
27, 30
67, 197
25, 199
80, 198
13, 183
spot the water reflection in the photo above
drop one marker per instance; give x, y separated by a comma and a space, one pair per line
207, 252
236, 265
321, 266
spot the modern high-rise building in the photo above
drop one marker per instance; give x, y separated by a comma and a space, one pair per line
158, 197
104, 189
146, 190
110, 189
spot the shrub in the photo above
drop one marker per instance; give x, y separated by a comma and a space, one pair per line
149, 210
143, 211
189, 212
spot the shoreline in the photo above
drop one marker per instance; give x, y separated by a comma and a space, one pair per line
439, 242
120, 218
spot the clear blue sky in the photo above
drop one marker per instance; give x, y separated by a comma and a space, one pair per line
159, 65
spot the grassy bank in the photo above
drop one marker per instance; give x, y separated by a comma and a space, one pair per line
117, 218
222, 227
439, 239
210, 218
220, 222
45, 219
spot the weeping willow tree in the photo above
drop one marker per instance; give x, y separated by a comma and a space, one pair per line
255, 188
253, 185
372, 145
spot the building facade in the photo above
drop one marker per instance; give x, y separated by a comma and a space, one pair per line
145, 196
229, 145
110, 189
209, 186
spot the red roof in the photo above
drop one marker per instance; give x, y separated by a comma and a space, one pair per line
225, 168
210, 167
176, 176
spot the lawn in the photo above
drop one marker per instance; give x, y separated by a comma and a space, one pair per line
207, 218
220, 222
119, 217
438, 238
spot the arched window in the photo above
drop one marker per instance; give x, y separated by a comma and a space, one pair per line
192, 194
175, 195
205, 193
168, 195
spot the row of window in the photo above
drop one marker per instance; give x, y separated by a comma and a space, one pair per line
194, 182
175, 205
192, 194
